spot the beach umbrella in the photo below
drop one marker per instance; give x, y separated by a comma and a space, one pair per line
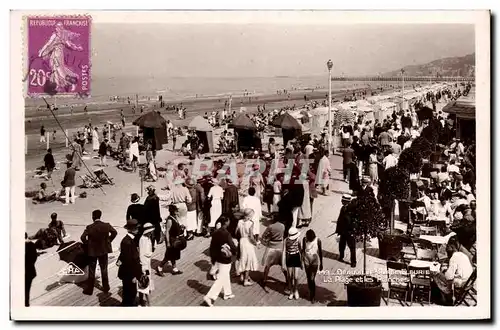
424, 113
150, 119
242, 121
286, 121
200, 124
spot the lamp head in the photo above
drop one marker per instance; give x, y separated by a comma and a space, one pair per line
329, 65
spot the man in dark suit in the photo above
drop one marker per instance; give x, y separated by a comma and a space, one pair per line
69, 183
344, 230
152, 211
135, 210
30, 256
97, 238
129, 263
347, 159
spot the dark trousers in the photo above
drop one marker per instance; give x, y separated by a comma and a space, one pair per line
346, 171
157, 232
312, 202
351, 244
129, 293
103, 264
27, 287
311, 271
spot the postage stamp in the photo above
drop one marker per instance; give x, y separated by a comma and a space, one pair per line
58, 59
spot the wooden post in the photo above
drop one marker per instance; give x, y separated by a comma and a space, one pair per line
25, 144
109, 132
137, 131
67, 141
47, 138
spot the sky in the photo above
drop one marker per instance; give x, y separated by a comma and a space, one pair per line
219, 50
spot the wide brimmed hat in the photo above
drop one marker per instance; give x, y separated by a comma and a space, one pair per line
366, 179
148, 228
267, 156
215, 180
346, 198
134, 198
248, 212
150, 187
131, 224
189, 183
293, 233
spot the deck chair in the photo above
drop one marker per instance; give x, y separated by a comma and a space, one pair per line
398, 281
89, 182
102, 177
468, 291
420, 283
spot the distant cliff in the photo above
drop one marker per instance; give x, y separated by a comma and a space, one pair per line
451, 66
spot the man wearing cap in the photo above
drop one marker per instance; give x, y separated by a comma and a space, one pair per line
231, 197
135, 210
98, 237
152, 210
344, 230
129, 262
69, 183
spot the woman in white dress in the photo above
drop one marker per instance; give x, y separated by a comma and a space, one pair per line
145, 255
247, 260
95, 140
215, 194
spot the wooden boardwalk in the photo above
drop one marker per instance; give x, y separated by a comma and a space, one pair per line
188, 289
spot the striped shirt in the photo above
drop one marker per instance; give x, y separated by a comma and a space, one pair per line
292, 246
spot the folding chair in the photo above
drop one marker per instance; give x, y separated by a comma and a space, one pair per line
424, 250
408, 252
398, 281
428, 230
467, 290
420, 283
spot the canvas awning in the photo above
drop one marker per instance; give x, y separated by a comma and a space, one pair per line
200, 124
464, 107
242, 121
286, 121
151, 119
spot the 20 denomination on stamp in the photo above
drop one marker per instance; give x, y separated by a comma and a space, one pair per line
58, 60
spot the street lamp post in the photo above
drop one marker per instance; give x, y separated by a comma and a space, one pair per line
403, 89
329, 65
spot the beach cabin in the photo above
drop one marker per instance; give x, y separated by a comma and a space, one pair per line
318, 120
384, 109
203, 130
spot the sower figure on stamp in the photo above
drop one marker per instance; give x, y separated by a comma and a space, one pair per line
98, 237
344, 230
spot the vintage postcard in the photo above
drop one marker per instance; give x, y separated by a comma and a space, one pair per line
252, 165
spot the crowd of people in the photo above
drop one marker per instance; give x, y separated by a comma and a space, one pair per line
210, 207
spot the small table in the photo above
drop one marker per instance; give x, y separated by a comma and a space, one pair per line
433, 266
439, 240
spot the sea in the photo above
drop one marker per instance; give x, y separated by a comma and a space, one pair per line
180, 88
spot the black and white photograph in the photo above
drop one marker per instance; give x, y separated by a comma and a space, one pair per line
278, 162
